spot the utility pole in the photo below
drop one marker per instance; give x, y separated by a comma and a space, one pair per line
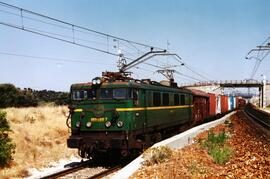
264, 91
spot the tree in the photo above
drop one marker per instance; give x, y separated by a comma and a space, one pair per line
7, 148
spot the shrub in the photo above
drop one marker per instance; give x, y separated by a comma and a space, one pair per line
7, 148
215, 145
157, 155
220, 154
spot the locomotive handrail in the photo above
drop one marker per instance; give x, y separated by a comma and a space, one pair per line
67, 120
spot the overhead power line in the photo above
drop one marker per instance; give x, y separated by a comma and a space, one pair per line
53, 59
262, 51
77, 26
179, 59
75, 32
33, 22
187, 76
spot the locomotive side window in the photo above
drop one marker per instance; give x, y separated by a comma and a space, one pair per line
165, 97
156, 99
182, 99
120, 93
106, 93
176, 99
113, 93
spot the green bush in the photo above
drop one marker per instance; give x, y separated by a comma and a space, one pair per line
7, 148
218, 139
215, 145
220, 154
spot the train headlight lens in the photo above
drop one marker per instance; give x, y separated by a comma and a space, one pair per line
120, 123
108, 123
94, 81
78, 124
98, 81
88, 124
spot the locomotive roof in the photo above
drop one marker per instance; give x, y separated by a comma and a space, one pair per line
199, 93
131, 84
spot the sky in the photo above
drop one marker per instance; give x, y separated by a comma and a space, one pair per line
212, 37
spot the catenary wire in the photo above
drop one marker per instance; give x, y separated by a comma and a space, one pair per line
80, 27
53, 59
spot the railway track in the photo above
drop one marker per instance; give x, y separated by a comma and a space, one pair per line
259, 116
106, 173
69, 170
82, 166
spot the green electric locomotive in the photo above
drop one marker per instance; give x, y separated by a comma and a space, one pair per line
115, 113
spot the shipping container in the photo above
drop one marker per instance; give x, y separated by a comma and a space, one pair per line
242, 102
224, 104
212, 104
218, 104
200, 105
234, 102
237, 102
231, 102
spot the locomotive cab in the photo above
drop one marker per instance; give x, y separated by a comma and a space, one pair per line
96, 109
101, 116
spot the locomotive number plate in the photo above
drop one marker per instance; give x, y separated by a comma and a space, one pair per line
98, 119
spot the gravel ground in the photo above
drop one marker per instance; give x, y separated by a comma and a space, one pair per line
250, 156
60, 165
84, 173
53, 168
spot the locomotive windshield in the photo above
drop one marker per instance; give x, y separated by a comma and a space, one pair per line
104, 93
84, 94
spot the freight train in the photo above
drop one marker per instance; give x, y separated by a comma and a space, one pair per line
115, 113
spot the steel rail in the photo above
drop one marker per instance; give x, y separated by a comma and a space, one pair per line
106, 172
259, 116
68, 171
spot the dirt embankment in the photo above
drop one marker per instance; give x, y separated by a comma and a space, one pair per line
249, 156
40, 135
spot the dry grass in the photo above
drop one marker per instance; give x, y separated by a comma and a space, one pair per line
40, 135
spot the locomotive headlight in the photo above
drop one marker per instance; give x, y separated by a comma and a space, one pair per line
78, 124
98, 81
120, 123
88, 124
108, 124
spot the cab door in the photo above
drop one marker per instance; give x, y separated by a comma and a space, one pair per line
139, 102
143, 103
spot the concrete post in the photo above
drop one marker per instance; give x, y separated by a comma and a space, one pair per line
264, 92
260, 96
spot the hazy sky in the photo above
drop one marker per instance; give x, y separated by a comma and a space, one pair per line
211, 36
